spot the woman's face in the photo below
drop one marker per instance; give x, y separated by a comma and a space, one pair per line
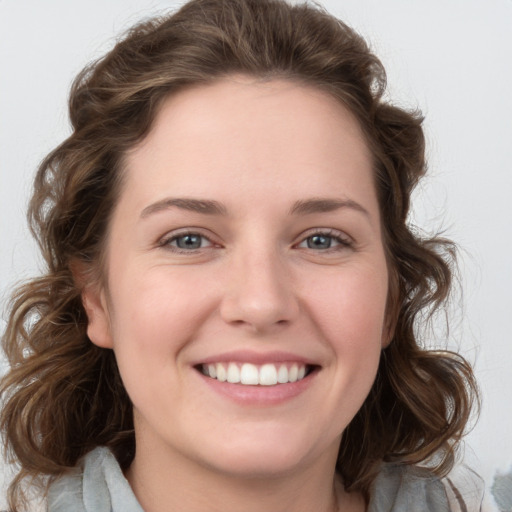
246, 244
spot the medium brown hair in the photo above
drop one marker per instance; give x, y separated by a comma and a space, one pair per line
63, 395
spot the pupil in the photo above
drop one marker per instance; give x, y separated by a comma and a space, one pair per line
319, 242
189, 242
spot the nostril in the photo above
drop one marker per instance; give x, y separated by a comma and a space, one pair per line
259, 315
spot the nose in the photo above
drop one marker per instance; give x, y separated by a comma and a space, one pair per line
260, 293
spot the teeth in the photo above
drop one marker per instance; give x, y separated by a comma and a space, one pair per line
268, 375
233, 373
221, 373
282, 374
249, 374
252, 375
293, 373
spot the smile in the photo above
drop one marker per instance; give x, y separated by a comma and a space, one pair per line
249, 374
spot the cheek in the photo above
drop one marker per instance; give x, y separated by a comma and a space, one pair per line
350, 308
153, 319
157, 312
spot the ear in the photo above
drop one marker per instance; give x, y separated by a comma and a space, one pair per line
94, 301
98, 325
388, 331
392, 311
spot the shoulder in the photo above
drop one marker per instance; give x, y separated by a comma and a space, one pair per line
95, 484
465, 489
401, 488
405, 488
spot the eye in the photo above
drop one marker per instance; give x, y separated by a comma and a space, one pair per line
319, 242
185, 242
325, 240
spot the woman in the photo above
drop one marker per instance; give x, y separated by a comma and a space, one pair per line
228, 320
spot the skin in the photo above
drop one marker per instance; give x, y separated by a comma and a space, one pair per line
257, 283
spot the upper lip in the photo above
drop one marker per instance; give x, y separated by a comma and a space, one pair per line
257, 358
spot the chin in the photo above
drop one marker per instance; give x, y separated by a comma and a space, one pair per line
263, 466
260, 458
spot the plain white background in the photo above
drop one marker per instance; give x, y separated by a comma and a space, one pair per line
450, 58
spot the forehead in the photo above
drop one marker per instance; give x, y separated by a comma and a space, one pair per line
237, 103
273, 133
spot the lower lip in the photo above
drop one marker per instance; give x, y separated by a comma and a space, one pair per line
259, 395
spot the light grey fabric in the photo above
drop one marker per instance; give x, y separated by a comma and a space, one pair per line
407, 489
98, 485
502, 491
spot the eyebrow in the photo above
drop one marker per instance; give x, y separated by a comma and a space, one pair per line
211, 207
204, 206
325, 205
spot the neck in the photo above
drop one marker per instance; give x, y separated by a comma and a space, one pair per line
168, 482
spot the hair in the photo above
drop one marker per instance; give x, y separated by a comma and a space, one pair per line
63, 395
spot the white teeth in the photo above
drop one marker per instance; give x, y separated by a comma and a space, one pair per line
233, 373
282, 374
268, 375
252, 375
293, 373
221, 373
249, 374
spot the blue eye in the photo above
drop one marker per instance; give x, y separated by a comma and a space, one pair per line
188, 242
323, 241
319, 242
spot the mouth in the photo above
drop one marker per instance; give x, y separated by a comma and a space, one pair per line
249, 374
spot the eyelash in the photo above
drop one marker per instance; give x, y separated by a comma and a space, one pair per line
168, 240
342, 241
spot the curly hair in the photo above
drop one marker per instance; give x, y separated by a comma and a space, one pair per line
64, 395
